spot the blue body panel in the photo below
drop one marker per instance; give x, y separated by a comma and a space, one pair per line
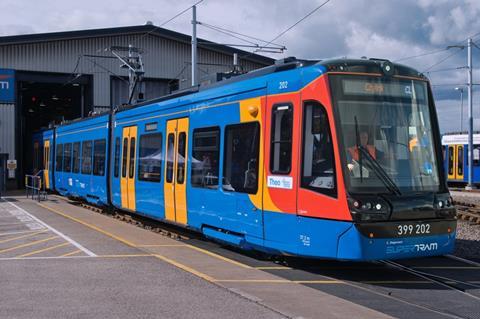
89, 187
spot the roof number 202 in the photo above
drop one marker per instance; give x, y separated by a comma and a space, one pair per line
282, 85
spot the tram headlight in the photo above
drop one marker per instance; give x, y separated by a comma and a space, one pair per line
369, 209
443, 205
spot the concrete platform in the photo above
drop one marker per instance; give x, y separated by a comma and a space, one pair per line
78, 263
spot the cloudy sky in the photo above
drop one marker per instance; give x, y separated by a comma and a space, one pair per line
392, 29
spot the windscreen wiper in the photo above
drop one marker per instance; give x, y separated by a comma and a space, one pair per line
380, 172
357, 142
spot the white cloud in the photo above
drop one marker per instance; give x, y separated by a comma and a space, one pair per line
374, 28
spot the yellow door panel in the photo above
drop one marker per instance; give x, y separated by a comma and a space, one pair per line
131, 168
169, 180
181, 166
124, 167
46, 163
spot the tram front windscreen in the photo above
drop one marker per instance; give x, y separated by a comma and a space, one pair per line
386, 136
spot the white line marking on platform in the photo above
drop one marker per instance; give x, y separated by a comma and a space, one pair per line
18, 232
71, 241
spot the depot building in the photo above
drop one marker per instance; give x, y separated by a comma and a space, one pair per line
53, 77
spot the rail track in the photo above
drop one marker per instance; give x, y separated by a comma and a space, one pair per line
468, 211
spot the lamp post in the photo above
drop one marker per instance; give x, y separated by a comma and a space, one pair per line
460, 89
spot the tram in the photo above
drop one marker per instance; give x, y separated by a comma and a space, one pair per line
335, 159
455, 155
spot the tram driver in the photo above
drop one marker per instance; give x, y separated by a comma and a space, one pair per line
354, 154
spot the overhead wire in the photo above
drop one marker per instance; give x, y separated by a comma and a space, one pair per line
238, 33
289, 28
154, 27
232, 35
442, 60
447, 69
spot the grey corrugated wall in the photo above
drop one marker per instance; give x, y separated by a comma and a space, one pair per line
7, 129
163, 58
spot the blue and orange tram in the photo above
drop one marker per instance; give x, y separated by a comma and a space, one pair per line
333, 159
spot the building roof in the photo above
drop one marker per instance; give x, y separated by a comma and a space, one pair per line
139, 29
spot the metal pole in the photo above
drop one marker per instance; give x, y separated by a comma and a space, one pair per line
194, 46
470, 118
461, 110
131, 75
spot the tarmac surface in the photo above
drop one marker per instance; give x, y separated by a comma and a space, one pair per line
61, 260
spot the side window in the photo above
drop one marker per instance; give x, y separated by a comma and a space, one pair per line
205, 157
476, 155
460, 160
150, 157
59, 158
87, 157
46, 153
318, 165
124, 157
170, 155
67, 157
281, 139
450, 160
76, 157
240, 169
182, 145
131, 168
99, 157
116, 164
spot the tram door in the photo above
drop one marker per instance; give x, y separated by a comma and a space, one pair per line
455, 162
175, 190
46, 163
127, 180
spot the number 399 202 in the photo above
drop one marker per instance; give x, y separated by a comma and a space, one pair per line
413, 229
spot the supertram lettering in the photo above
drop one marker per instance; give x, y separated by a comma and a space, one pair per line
411, 248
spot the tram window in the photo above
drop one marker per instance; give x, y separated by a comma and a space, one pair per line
59, 158
281, 139
170, 152
87, 157
460, 160
124, 157
99, 157
318, 169
131, 167
450, 160
76, 157
240, 169
150, 157
117, 157
182, 146
67, 157
205, 157
476, 155
46, 159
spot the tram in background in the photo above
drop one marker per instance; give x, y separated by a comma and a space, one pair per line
333, 159
455, 155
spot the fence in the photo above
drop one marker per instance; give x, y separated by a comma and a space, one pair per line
35, 187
